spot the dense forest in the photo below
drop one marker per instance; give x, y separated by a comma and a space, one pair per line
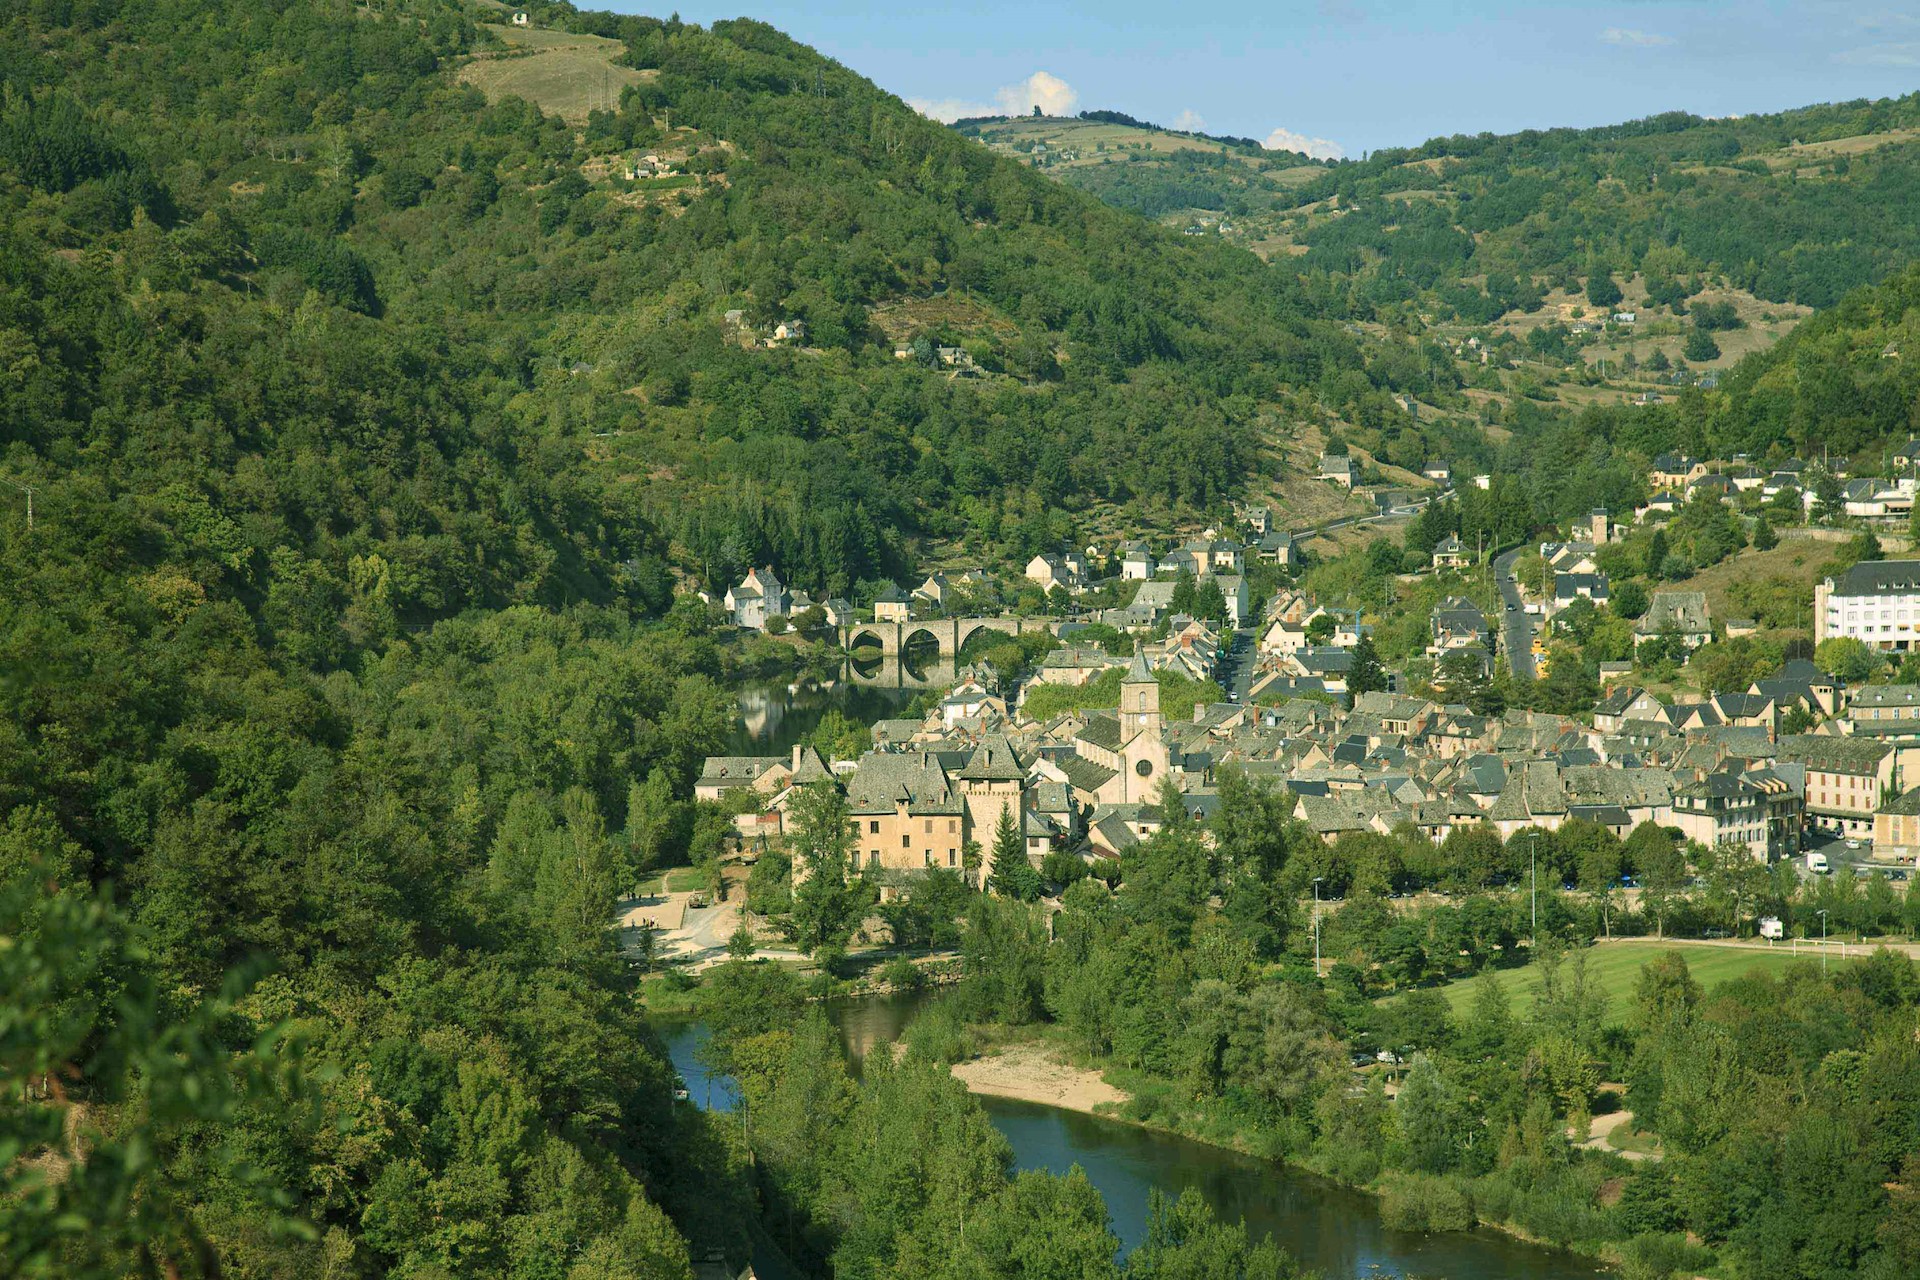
353, 432
1758, 199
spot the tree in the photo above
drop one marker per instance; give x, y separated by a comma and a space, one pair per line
1846, 658
1700, 347
163, 1078
838, 736
828, 902
1209, 601
1602, 290
1013, 874
1185, 1241
1628, 599
1004, 952
1366, 675
1764, 538
1665, 994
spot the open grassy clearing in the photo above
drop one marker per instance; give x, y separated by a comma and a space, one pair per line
1086, 137
1796, 560
1616, 966
558, 71
1815, 152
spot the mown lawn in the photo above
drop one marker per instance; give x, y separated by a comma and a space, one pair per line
1616, 966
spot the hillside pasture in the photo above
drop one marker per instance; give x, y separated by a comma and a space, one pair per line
1615, 967
558, 71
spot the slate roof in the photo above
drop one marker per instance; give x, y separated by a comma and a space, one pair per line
1085, 774
994, 760
1686, 611
812, 768
1102, 731
736, 771
883, 779
1880, 578
1832, 754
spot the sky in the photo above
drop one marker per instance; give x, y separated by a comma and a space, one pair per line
1343, 77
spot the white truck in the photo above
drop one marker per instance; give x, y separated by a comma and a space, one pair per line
1818, 864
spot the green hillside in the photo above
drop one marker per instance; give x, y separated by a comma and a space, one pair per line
369, 415
1190, 180
1515, 252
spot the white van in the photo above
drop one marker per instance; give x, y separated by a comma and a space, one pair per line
1817, 863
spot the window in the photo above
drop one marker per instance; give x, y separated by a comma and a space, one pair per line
929, 826
953, 859
873, 859
906, 841
873, 827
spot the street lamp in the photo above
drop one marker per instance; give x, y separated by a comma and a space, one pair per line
1822, 913
1316, 925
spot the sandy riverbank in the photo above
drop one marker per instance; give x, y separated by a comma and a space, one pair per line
1029, 1073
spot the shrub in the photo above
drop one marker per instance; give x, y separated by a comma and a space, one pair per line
902, 974
1660, 1257
1425, 1202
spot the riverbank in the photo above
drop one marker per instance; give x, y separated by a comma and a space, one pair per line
1031, 1073
1040, 1071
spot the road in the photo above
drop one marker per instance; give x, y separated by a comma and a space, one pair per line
1236, 667
1516, 625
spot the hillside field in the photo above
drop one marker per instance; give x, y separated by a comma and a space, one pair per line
1616, 966
567, 74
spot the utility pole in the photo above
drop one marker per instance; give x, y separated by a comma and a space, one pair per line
1533, 873
1823, 941
1316, 925
28, 490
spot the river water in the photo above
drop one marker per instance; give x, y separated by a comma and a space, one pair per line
771, 715
1329, 1228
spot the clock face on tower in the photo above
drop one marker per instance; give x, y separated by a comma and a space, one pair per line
1143, 767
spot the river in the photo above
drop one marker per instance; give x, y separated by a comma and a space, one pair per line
771, 715
1329, 1228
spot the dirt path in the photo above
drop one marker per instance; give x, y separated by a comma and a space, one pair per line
1600, 1136
1029, 1073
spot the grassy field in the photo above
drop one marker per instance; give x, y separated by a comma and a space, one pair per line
1616, 967
1802, 153
1796, 561
559, 71
1088, 138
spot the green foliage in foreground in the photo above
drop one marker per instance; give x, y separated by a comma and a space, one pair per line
1178, 694
1196, 989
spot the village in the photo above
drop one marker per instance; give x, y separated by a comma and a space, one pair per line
1796, 762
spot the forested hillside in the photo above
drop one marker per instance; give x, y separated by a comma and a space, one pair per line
1147, 169
1798, 206
1121, 363
353, 429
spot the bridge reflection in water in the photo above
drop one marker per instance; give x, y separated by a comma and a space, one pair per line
893, 672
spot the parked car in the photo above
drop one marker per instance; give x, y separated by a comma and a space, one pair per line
1818, 864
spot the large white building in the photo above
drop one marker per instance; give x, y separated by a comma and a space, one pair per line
1876, 601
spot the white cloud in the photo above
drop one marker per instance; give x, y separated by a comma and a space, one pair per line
1190, 121
1054, 97
1318, 148
1629, 37
1882, 55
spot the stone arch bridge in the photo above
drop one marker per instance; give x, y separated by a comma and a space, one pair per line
951, 634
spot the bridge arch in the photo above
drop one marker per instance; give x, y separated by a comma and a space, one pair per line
965, 629
886, 635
